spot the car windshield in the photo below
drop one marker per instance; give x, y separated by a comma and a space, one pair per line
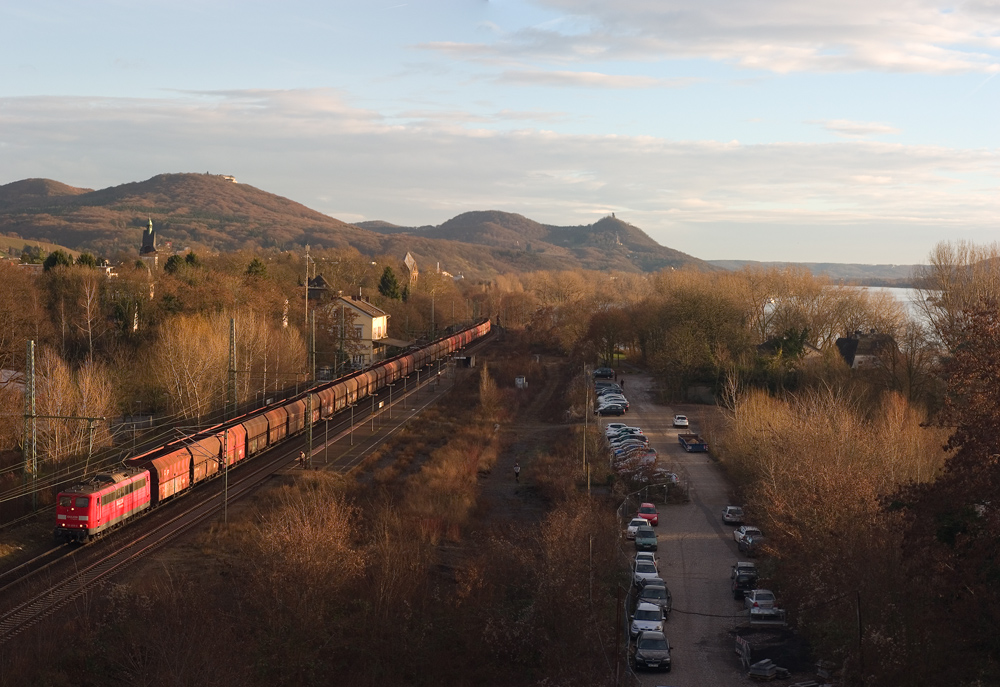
654, 593
648, 615
736, 511
636, 522
653, 644
648, 510
645, 532
766, 596
645, 568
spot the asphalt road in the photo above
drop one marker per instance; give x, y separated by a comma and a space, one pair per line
696, 552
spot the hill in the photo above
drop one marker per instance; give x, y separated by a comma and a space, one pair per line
608, 244
213, 213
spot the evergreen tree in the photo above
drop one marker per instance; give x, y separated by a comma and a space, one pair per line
57, 257
192, 259
86, 260
256, 268
173, 264
388, 285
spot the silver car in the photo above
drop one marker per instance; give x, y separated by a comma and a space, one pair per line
634, 525
648, 617
644, 570
732, 515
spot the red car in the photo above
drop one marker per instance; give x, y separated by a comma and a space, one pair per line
647, 512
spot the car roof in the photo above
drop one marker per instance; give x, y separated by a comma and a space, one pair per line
647, 503
637, 519
644, 606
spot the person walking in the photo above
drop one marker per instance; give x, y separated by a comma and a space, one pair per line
517, 472
302, 459
622, 383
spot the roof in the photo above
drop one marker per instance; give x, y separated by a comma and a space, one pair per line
859, 344
363, 306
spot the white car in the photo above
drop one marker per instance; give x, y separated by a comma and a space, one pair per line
643, 571
613, 427
648, 617
758, 598
681, 421
745, 531
633, 525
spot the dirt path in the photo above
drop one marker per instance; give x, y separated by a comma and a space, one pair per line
696, 551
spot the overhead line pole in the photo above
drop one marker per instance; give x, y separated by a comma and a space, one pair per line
30, 427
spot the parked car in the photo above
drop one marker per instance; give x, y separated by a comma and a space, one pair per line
732, 515
759, 598
633, 525
643, 571
648, 512
607, 389
681, 421
743, 568
738, 535
647, 617
613, 427
614, 410
647, 556
750, 544
658, 595
651, 650
645, 538
743, 583
604, 373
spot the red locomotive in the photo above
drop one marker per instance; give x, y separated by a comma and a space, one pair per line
176, 467
108, 500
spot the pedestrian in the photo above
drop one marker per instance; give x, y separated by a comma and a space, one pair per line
622, 384
517, 472
302, 459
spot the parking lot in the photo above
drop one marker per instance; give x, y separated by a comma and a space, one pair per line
696, 552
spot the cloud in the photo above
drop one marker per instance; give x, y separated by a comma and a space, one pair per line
847, 128
781, 36
775, 201
538, 77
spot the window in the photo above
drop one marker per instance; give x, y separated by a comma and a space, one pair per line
140, 484
82, 502
359, 331
65, 501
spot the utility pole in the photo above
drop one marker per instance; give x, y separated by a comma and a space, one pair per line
309, 410
305, 321
232, 366
312, 352
30, 428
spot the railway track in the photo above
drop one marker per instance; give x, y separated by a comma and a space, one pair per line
186, 512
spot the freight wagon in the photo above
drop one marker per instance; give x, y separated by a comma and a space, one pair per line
86, 510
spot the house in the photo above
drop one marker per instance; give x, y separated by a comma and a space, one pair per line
862, 350
371, 325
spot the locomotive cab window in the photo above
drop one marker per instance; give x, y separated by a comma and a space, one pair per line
82, 502
65, 501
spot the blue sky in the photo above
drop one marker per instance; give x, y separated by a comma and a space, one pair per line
767, 130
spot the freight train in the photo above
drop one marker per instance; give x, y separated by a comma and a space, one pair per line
110, 500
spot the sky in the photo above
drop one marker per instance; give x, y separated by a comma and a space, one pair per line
780, 130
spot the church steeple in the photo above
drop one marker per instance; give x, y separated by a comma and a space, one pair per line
148, 240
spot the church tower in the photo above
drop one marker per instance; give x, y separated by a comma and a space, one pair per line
148, 253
